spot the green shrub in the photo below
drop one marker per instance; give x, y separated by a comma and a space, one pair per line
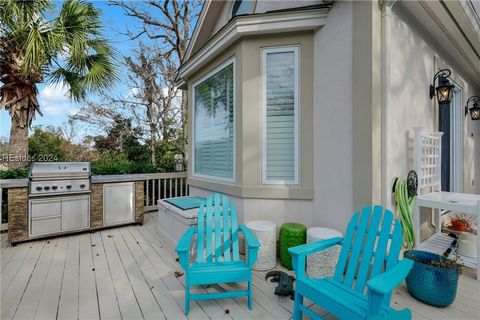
46, 143
123, 168
16, 173
99, 168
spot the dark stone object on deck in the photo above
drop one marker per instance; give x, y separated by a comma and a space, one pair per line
285, 283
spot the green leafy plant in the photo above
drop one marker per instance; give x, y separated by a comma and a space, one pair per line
46, 144
107, 168
444, 263
124, 168
15, 173
37, 46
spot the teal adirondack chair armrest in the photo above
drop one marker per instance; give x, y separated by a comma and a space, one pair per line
252, 244
387, 281
309, 248
300, 252
380, 290
183, 247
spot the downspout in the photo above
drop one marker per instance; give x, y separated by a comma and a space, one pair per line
386, 7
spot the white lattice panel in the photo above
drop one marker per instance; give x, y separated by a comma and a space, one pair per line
427, 148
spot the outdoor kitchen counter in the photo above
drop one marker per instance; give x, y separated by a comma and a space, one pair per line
97, 204
13, 183
18, 203
16, 183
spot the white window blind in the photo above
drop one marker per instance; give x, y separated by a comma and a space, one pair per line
214, 124
280, 100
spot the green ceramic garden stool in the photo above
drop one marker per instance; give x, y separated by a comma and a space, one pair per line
291, 235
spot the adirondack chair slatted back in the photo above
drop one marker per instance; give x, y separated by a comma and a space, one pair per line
217, 230
371, 246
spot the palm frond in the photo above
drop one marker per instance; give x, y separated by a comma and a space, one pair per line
15, 14
89, 57
67, 49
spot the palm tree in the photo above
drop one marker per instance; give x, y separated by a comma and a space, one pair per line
67, 49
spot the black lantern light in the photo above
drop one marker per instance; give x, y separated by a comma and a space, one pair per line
178, 161
475, 109
444, 89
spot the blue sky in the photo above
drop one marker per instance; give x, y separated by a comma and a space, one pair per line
54, 101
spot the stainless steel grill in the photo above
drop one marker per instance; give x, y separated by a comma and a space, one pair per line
57, 178
59, 198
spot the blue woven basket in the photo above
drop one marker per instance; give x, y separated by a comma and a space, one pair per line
433, 285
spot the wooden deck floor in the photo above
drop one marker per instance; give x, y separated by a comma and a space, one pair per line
128, 273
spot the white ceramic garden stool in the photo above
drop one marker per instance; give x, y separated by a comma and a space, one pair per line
266, 233
322, 264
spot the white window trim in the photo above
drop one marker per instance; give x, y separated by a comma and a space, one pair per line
457, 118
194, 85
296, 50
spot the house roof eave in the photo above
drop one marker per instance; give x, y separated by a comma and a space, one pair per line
196, 30
467, 20
256, 24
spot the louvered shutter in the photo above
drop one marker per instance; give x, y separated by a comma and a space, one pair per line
214, 125
280, 150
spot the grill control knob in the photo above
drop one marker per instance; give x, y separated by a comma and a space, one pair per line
69, 186
38, 188
82, 186
54, 188
46, 188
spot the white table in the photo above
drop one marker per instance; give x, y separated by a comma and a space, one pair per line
458, 202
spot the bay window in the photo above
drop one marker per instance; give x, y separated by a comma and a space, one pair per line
213, 124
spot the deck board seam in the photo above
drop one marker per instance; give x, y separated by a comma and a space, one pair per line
126, 274
94, 276
46, 276
153, 264
111, 278
29, 278
166, 262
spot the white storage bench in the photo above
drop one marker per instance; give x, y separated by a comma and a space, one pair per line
174, 221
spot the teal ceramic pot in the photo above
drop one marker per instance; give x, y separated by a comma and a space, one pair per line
431, 284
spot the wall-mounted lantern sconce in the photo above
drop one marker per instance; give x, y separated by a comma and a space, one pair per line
475, 109
444, 88
178, 162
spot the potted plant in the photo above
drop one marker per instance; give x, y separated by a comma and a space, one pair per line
433, 278
462, 223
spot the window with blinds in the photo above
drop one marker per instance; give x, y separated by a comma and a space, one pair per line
280, 115
214, 124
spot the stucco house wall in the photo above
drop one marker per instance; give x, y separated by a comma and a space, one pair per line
333, 144
350, 163
414, 61
413, 64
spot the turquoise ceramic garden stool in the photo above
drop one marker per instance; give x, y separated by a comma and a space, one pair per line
291, 235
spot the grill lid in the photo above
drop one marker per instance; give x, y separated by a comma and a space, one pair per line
59, 170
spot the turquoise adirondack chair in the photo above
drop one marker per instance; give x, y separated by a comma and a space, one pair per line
217, 258
367, 270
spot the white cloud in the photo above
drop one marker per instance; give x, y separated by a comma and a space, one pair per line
54, 100
132, 94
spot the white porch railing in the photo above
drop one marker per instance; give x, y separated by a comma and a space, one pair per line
159, 186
